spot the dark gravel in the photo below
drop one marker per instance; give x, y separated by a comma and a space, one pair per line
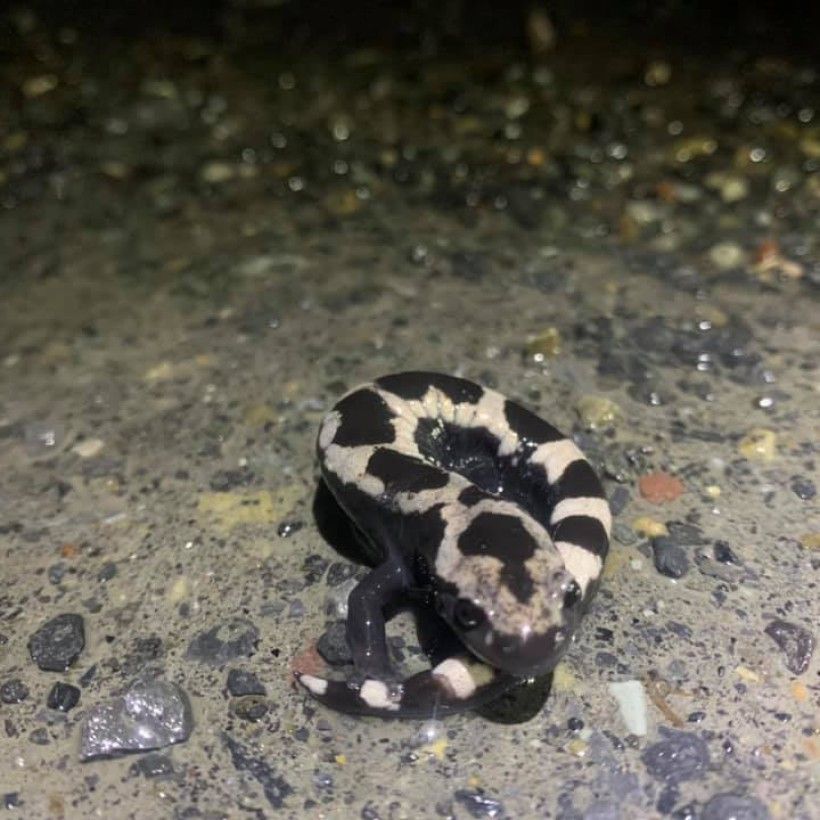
63, 697
795, 642
57, 644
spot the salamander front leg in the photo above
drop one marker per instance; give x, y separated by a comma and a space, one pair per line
366, 619
374, 676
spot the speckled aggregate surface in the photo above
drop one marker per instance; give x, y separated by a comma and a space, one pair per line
202, 246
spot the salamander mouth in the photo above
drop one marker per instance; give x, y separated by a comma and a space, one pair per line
536, 654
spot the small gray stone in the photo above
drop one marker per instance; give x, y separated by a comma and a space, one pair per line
250, 707
724, 553
479, 804
150, 715
13, 691
226, 642
58, 643
107, 572
241, 682
296, 609
11, 800
803, 488
623, 534
63, 697
684, 534
670, 559
730, 573
288, 528
332, 645
153, 765
679, 756
339, 573
728, 806
618, 499
40, 737
56, 572
796, 643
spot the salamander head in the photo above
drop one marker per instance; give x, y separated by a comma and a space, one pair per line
522, 639
503, 587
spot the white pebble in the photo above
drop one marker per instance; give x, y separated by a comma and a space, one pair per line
631, 698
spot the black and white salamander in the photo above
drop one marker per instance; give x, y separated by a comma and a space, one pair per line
490, 512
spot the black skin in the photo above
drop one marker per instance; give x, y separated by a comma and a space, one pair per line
390, 585
367, 604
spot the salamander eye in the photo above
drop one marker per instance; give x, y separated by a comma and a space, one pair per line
572, 595
467, 615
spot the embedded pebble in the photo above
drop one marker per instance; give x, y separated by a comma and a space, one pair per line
679, 756
333, 646
63, 697
649, 527
40, 737
153, 765
150, 715
724, 553
658, 488
107, 571
58, 643
88, 448
623, 534
250, 707
13, 691
597, 411
759, 444
728, 806
56, 572
804, 488
478, 804
711, 567
670, 559
618, 499
236, 638
630, 696
288, 528
794, 641
682, 533
339, 573
545, 344
241, 682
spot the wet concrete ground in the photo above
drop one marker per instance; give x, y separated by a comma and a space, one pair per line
203, 243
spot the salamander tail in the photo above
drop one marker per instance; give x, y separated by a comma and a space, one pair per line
457, 684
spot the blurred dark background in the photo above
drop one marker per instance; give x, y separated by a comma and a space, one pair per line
788, 29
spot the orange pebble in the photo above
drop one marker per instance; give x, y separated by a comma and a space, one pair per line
659, 487
767, 251
307, 662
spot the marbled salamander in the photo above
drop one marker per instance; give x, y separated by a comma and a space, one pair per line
488, 510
